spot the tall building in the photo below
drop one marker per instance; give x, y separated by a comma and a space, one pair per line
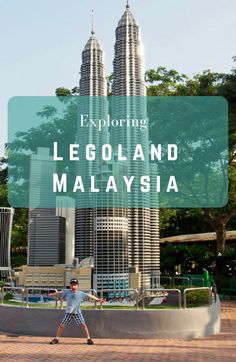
92, 84
46, 239
93, 76
111, 232
124, 238
66, 209
6, 218
128, 64
46, 231
101, 232
128, 81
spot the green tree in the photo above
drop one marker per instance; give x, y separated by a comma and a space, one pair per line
160, 82
3, 182
64, 92
163, 82
206, 84
109, 84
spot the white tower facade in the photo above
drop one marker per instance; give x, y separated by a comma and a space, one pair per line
6, 218
128, 81
119, 238
92, 84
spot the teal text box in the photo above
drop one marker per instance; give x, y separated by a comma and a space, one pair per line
118, 152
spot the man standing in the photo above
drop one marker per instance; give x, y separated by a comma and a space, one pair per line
73, 298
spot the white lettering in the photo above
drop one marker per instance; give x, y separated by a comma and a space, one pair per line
106, 152
83, 121
120, 156
90, 152
172, 185
128, 182
158, 184
138, 153
93, 188
145, 182
111, 184
74, 154
172, 156
55, 153
78, 185
60, 185
155, 152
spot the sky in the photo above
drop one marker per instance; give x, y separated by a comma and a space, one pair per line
41, 41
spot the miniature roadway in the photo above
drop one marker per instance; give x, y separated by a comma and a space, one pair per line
219, 348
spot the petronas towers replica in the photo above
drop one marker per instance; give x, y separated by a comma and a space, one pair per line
124, 240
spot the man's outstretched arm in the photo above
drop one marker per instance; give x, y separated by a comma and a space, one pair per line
90, 296
55, 294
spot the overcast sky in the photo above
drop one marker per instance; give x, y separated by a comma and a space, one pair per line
41, 41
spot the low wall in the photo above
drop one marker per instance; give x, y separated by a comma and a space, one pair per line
172, 323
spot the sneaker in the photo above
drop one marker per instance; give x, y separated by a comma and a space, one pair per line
90, 341
54, 341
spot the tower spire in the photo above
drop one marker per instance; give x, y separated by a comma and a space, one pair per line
127, 6
92, 31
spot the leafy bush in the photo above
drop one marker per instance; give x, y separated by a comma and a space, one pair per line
7, 296
18, 260
194, 298
197, 298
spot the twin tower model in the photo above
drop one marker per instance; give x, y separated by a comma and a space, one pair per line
123, 241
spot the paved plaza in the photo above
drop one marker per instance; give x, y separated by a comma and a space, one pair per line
220, 348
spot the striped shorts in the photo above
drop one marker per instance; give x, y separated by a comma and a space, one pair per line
79, 319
